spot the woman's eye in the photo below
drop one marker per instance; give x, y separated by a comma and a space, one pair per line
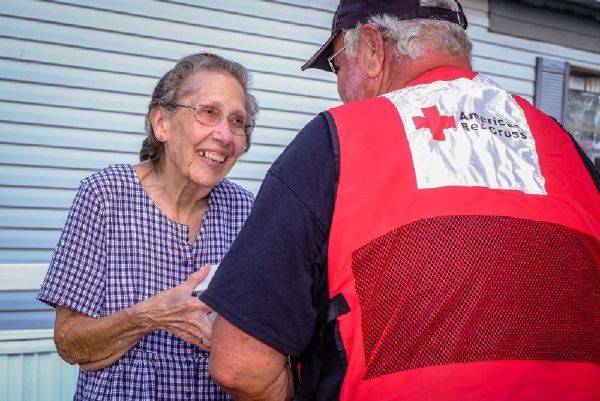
239, 121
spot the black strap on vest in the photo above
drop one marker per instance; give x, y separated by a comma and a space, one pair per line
307, 380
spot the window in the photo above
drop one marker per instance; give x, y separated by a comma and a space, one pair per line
582, 112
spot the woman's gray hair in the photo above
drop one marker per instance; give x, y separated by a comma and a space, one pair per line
412, 36
170, 87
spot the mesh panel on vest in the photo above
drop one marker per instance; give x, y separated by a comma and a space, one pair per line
458, 289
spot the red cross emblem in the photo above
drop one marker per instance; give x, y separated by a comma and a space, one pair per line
435, 122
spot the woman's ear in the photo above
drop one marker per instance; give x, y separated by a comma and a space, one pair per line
372, 51
159, 123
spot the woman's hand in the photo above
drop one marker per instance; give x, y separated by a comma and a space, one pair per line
95, 343
175, 310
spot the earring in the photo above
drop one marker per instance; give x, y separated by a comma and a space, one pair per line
161, 138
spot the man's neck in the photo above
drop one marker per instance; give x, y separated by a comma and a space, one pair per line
400, 73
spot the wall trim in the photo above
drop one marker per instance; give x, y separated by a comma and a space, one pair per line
21, 276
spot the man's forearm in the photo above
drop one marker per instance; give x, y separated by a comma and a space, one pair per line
279, 390
247, 368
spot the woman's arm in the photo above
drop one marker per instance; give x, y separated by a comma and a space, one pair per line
95, 343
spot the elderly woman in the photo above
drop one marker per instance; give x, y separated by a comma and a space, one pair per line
137, 238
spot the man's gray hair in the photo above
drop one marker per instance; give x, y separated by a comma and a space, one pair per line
411, 37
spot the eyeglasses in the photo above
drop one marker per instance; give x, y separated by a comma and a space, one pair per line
209, 115
330, 59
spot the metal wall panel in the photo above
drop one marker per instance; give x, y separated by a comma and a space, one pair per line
31, 370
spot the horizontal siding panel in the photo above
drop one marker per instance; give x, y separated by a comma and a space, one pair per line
27, 218
71, 158
16, 256
267, 10
41, 135
481, 5
534, 47
38, 199
26, 319
503, 67
15, 301
42, 198
30, 239
324, 5
41, 177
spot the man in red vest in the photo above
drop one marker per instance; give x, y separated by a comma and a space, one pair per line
435, 238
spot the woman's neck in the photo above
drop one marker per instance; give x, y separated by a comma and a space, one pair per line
181, 199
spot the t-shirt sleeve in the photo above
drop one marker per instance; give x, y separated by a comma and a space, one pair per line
265, 284
76, 274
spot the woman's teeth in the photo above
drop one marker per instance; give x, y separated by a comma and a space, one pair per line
211, 156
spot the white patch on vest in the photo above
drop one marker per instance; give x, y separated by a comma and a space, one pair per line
490, 144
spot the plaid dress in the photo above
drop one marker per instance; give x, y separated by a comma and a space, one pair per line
117, 249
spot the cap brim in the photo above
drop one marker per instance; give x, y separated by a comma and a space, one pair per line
319, 59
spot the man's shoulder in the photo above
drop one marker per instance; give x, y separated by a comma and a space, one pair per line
313, 144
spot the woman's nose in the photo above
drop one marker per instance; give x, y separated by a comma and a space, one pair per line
222, 131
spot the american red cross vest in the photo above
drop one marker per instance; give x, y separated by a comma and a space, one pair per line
465, 240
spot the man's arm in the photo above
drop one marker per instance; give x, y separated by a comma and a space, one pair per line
264, 289
247, 368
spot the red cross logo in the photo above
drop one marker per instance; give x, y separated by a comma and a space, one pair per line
435, 122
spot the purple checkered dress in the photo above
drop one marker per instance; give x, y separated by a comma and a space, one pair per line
117, 249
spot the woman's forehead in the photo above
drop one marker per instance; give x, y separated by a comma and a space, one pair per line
212, 85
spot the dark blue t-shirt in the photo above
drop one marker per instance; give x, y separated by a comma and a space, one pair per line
267, 284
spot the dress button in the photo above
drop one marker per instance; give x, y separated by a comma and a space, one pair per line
185, 262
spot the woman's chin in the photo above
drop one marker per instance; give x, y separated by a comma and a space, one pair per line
206, 178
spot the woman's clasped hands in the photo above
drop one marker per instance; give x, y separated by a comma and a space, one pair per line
178, 312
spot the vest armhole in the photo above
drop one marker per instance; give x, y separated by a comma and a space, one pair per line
335, 142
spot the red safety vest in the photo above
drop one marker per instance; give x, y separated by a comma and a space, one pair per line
465, 240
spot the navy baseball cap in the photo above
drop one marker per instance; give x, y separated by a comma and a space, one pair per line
351, 12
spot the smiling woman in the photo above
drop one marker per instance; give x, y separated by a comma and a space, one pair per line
137, 237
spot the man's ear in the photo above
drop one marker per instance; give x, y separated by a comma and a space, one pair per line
372, 50
159, 123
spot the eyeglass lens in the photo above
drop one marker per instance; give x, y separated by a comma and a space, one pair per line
211, 115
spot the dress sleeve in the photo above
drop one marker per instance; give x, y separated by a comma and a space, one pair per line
266, 283
76, 274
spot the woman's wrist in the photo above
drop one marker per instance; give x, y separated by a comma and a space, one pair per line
142, 315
